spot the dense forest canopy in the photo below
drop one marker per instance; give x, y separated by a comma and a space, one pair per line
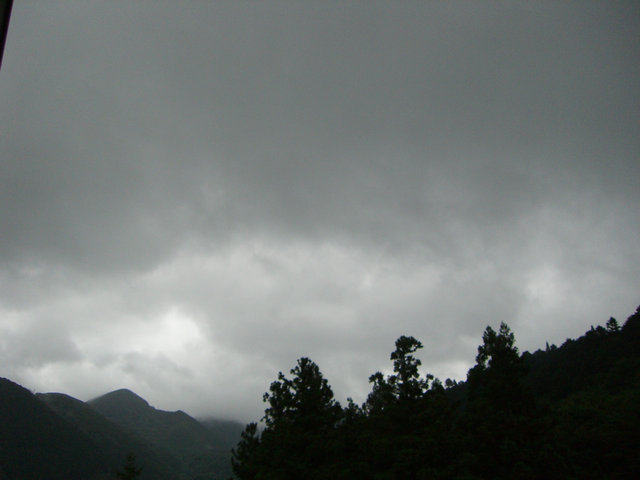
565, 412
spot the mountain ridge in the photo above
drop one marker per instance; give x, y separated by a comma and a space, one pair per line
114, 441
36, 443
198, 448
54, 436
590, 384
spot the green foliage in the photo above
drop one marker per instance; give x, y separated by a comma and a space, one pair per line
408, 383
382, 393
306, 399
612, 325
597, 434
302, 415
402, 387
245, 460
567, 412
497, 378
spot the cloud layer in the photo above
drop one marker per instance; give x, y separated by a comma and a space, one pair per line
193, 196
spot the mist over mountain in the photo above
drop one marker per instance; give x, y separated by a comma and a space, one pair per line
226, 432
198, 447
115, 442
56, 436
568, 411
121, 403
175, 431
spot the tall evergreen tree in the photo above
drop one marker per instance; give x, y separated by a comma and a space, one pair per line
245, 460
612, 325
499, 371
405, 384
300, 420
502, 435
408, 384
306, 399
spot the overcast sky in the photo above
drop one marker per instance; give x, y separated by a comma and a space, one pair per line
195, 194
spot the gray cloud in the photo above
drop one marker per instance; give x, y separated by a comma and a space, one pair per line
193, 196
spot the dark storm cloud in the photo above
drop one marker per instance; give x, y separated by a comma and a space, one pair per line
264, 180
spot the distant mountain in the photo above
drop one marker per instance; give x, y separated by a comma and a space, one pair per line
36, 443
121, 403
114, 442
581, 421
201, 450
53, 436
226, 432
176, 432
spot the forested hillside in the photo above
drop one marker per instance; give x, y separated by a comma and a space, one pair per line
198, 449
113, 441
54, 436
568, 412
35, 443
564, 412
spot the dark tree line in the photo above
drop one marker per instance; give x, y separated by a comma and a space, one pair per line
512, 418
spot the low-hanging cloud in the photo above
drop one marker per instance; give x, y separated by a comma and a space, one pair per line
194, 196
